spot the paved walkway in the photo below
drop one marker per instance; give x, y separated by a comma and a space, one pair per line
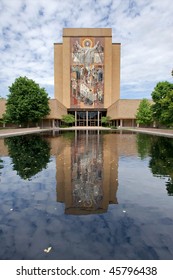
153, 131
21, 131
7, 132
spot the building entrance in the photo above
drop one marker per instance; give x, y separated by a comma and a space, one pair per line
88, 118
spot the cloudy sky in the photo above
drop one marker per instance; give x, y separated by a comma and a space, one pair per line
29, 28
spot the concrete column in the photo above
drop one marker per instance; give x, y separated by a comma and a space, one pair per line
53, 123
87, 139
121, 123
86, 118
75, 118
98, 139
98, 118
75, 137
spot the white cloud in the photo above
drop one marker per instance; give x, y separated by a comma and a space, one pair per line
143, 27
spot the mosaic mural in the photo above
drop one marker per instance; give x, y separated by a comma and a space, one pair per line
87, 72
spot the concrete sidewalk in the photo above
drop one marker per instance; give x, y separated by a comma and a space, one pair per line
152, 131
21, 131
7, 132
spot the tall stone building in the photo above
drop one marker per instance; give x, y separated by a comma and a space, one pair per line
87, 73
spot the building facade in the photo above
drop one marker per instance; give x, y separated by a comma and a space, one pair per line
87, 73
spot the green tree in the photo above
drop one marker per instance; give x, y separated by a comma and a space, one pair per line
105, 120
27, 102
29, 154
162, 108
68, 119
144, 112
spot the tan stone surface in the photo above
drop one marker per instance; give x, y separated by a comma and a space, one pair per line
115, 94
107, 72
105, 32
2, 107
66, 72
58, 77
124, 109
57, 109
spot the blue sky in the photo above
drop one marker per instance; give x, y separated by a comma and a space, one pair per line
29, 28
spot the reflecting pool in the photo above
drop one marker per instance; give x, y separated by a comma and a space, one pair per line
86, 195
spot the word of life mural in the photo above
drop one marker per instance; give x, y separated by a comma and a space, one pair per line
87, 72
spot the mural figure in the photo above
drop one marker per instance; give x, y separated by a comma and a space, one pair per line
86, 54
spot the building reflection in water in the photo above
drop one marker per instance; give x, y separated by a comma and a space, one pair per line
86, 167
87, 173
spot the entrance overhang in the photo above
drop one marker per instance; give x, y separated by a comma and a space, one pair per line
88, 117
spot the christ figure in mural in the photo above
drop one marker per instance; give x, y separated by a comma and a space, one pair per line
86, 54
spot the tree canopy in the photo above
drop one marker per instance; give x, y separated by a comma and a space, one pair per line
105, 120
68, 119
144, 112
27, 102
162, 108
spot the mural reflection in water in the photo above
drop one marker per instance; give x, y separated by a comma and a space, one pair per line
85, 183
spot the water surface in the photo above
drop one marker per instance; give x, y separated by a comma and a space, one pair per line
86, 196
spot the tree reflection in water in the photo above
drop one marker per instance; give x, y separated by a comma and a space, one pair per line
1, 166
160, 150
143, 144
29, 154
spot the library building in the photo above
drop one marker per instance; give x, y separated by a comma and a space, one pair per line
87, 78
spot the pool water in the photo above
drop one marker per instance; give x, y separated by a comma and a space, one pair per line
86, 195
